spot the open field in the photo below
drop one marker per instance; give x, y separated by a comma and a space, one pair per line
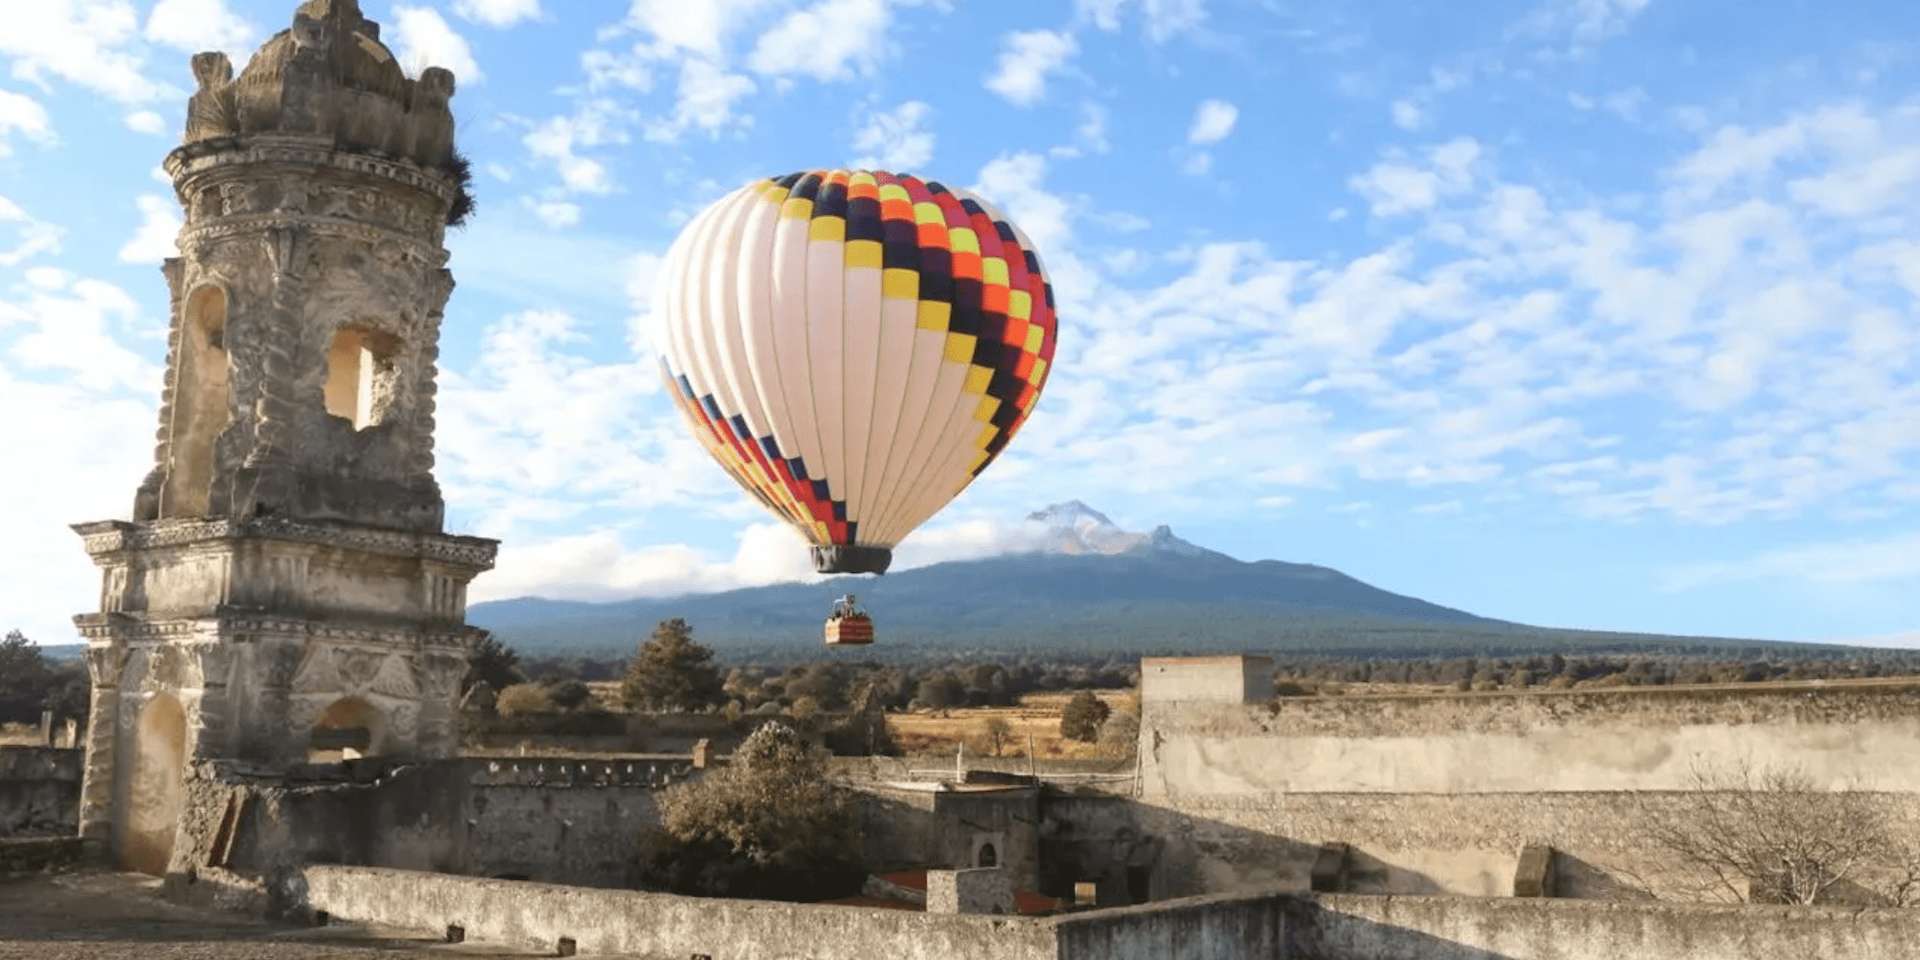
1037, 716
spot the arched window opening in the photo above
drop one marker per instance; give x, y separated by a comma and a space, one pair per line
201, 406
361, 374
349, 729
155, 789
987, 856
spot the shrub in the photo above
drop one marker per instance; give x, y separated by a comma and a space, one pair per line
1083, 716
523, 699
767, 825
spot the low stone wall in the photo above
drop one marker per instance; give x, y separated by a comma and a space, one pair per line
1465, 844
654, 925
1199, 928
36, 854
1255, 926
39, 791
1455, 928
1438, 794
1635, 739
548, 819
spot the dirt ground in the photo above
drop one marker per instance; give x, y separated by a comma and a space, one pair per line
119, 916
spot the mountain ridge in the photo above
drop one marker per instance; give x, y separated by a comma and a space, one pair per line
1075, 582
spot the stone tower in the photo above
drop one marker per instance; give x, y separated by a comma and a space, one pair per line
285, 583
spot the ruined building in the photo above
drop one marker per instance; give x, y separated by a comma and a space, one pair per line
285, 581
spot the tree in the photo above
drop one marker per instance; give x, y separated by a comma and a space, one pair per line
522, 700
940, 692
1770, 836
863, 731
568, 694
766, 825
1083, 716
996, 735
494, 662
25, 680
671, 672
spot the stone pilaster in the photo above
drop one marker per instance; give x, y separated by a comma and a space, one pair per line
104, 663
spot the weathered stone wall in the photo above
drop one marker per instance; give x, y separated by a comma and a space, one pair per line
1642, 739
1452, 928
1255, 926
1230, 679
565, 821
1438, 794
39, 791
1464, 844
652, 925
903, 828
37, 854
1198, 928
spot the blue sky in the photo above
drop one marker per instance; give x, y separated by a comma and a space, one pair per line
1593, 313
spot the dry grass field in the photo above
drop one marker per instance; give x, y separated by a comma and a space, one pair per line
1037, 715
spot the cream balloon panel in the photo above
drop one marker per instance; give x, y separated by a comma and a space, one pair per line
852, 347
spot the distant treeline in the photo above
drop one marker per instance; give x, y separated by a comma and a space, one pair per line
1001, 680
836, 684
1331, 675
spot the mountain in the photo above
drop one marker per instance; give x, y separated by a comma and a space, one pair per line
1084, 585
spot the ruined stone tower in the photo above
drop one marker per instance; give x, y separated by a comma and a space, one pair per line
284, 583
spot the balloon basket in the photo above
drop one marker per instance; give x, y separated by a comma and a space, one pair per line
850, 631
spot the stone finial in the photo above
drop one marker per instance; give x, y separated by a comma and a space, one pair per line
328, 76
212, 69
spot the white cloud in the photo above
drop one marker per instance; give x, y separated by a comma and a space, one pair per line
102, 443
512, 471
831, 40
642, 274
557, 214
1408, 115
88, 44
1400, 185
1197, 164
146, 121
196, 25
559, 139
30, 237
74, 329
1213, 121
1624, 104
702, 28
896, 139
1027, 57
607, 70
705, 101
1104, 14
160, 225
1593, 20
498, 13
1013, 182
22, 114
598, 565
1866, 560
1581, 24
1163, 19
422, 38
1167, 19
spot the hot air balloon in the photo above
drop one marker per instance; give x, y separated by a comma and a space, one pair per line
854, 348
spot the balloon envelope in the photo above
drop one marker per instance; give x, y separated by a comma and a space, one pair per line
854, 348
